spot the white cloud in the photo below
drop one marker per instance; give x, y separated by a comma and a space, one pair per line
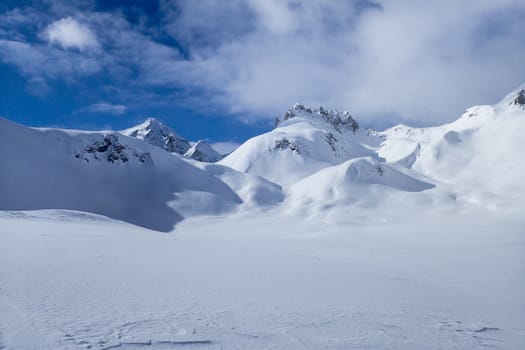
388, 61
69, 33
34, 60
107, 108
41, 61
422, 61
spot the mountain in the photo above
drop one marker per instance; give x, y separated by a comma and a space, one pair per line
315, 161
480, 154
303, 142
406, 238
158, 134
114, 175
325, 161
203, 152
155, 133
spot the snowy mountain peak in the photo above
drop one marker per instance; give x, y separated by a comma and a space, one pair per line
304, 141
153, 124
203, 152
156, 133
340, 121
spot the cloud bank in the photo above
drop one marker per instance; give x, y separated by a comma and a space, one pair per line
423, 61
386, 61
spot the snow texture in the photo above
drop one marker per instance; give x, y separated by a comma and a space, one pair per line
70, 280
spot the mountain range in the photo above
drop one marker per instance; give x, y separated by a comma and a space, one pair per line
314, 162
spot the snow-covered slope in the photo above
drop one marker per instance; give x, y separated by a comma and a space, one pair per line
303, 142
480, 154
312, 162
323, 159
104, 173
255, 191
203, 152
364, 182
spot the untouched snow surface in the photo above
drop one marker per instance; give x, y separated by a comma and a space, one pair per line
70, 280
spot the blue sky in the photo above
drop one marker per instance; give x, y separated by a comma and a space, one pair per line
223, 70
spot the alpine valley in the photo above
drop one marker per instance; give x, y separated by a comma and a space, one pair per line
319, 234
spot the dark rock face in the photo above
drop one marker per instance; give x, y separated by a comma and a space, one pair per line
111, 150
520, 99
284, 144
331, 140
175, 145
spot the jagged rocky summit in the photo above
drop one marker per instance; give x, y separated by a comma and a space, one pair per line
158, 134
155, 133
340, 121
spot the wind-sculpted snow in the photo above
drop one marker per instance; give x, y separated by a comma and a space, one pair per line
480, 155
361, 182
104, 173
255, 191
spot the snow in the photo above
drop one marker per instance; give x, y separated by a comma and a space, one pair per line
318, 234
155, 133
479, 155
158, 134
203, 152
75, 281
356, 184
299, 146
56, 169
255, 191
